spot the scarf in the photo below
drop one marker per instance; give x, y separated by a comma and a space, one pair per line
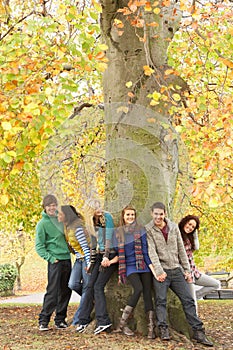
140, 263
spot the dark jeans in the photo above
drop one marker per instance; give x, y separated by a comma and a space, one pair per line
141, 283
176, 281
95, 292
57, 293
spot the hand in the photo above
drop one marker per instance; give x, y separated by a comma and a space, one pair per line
188, 277
105, 262
90, 268
162, 277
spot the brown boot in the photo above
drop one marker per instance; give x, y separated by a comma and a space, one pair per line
151, 324
122, 328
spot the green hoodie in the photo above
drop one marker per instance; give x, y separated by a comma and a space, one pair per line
50, 239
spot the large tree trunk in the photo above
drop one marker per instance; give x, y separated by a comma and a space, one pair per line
142, 146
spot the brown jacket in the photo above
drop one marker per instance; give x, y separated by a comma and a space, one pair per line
166, 255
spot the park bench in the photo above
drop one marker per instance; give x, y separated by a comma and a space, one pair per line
225, 292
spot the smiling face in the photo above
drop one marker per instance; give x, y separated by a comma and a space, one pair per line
129, 216
158, 216
98, 211
61, 216
51, 209
190, 226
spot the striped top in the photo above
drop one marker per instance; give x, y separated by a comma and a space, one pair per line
85, 250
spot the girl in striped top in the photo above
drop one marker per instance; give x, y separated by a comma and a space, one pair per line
78, 242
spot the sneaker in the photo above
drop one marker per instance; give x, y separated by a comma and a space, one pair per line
61, 325
43, 327
81, 328
100, 329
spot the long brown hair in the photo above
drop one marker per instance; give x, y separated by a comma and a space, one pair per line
120, 233
182, 224
71, 215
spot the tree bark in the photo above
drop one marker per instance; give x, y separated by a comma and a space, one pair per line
142, 146
19, 263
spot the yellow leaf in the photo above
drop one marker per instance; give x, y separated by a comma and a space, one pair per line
102, 66
129, 84
148, 71
199, 173
168, 71
154, 103
157, 10
214, 203
103, 47
118, 23
6, 126
176, 97
4, 199
156, 96
97, 6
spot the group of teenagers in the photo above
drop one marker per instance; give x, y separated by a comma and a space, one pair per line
157, 256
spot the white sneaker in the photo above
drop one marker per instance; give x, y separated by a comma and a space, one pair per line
100, 329
81, 328
43, 327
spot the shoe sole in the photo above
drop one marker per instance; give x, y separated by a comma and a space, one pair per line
102, 329
205, 344
61, 329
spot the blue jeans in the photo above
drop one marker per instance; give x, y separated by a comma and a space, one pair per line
78, 282
176, 281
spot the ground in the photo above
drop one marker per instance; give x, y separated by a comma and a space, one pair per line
19, 324
19, 331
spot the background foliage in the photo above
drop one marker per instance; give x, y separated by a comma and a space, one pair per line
52, 60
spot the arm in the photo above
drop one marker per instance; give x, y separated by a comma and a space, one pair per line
182, 253
109, 229
106, 262
81, 238
153, 255
40, 244
145, 248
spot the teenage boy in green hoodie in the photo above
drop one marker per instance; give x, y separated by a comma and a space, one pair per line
51, 245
